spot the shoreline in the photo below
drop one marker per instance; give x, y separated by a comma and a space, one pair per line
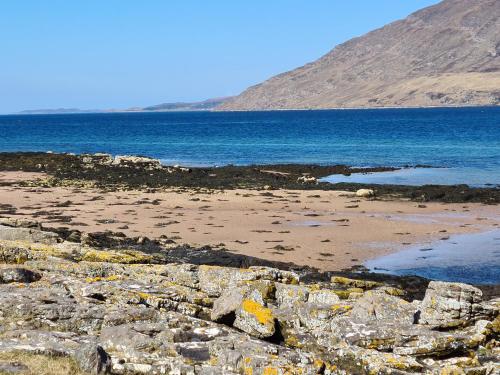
104, 171
321, 225
256, 110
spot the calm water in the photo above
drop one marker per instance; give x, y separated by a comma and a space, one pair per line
465, 139
450, 260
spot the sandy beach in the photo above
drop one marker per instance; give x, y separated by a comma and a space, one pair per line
330, 230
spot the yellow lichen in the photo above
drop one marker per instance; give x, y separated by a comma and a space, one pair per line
397, 363
261, 313
213, 361
144, 296
125, 257
270, 371
365, 284
495, 325
394, 291
98, 278
318, 364
341, 308
292, 341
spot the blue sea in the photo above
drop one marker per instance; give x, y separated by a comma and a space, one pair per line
463, 142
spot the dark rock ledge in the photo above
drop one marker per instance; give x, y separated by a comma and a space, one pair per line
134, 307
133, 172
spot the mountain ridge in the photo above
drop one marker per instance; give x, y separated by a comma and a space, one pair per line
204, 105
443, 55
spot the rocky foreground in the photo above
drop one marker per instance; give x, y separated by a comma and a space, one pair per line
128, 306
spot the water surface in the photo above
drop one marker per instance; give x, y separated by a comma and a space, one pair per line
469, 258
465, 139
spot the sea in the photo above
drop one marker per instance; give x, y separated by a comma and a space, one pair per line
456, 145
463, 144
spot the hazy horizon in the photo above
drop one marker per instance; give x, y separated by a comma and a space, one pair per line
119, 54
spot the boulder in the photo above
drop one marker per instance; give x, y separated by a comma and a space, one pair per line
12, 368
448, 305
28, 235
213, 280
307, 180
323, 297
370, 335
380, 306
289, 295
418, 342
365, 193
227, 303
93, 359
137, 161
255, 319
18, 275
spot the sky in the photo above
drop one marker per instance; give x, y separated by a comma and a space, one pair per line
97, 54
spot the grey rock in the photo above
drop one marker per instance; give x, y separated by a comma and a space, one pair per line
28, 235
227, 303
380, 306
255, 319
418, 342
323, 297
7, 368
93, 359
447, 305
18, 275
289, 295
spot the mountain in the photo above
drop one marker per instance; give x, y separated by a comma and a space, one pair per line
195, 106
205, 105
55, 111
443, 55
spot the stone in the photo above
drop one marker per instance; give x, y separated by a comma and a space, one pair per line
307, 180
18, 275
380, 306
320, 316
323, 297
365, 193
93, 359
370, 335
8, 368
418, 342
255, 319
227, 304
448, 305
27, 234
213, 280
370, 361
354, 283
289, 295
137, 161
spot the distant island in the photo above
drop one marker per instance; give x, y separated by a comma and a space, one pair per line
205, 105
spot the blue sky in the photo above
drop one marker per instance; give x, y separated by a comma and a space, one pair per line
124, 53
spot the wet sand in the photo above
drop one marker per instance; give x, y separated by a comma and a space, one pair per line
330, 230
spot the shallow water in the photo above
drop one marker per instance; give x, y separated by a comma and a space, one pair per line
425, 176
467, 140
470, 258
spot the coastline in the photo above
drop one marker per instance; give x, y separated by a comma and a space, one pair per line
249, 110
321, 225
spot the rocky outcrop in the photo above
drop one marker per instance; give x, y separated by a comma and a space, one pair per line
117, 311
